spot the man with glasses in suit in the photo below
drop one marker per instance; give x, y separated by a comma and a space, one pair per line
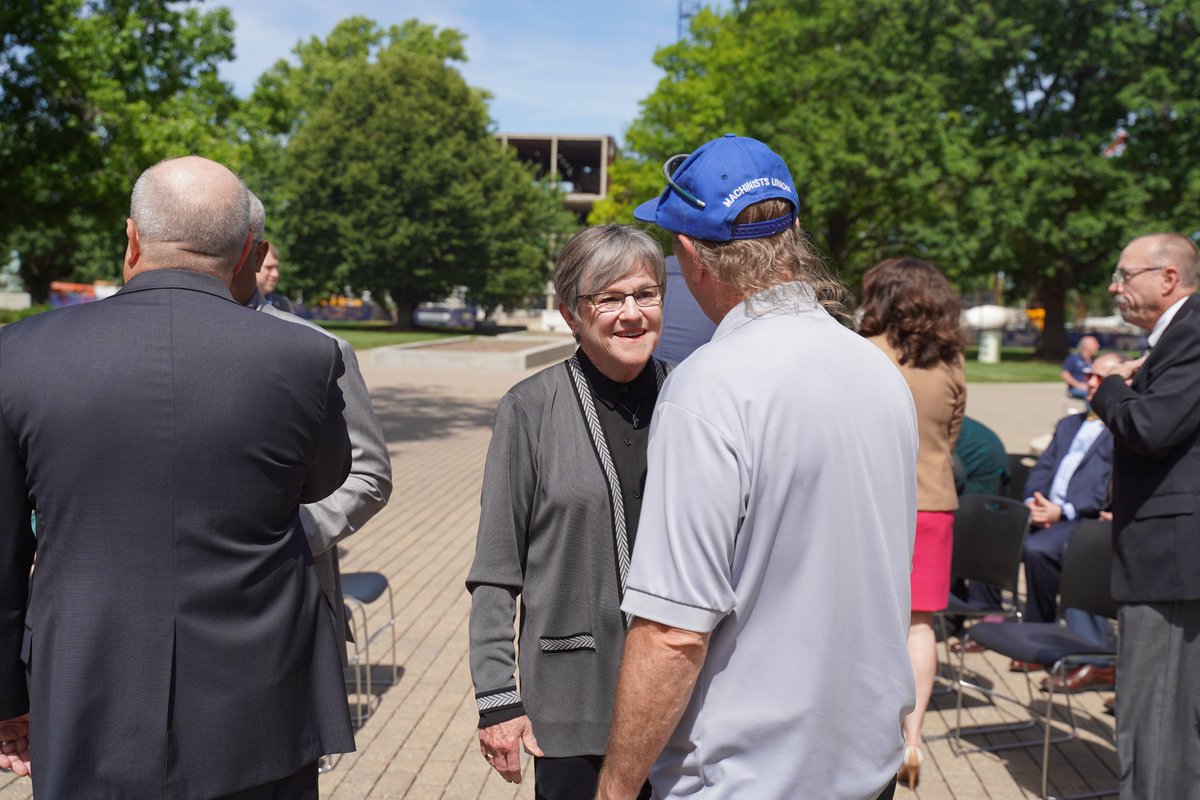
1152, 407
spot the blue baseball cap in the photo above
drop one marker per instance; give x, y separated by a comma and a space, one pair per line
709, 188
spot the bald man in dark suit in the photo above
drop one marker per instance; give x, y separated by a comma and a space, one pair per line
176, 642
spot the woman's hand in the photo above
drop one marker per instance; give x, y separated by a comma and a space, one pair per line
500, 745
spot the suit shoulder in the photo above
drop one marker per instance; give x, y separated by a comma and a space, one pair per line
286, 316
57, 328
1068, 422
287, 342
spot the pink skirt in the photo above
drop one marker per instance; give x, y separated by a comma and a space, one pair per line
930, 578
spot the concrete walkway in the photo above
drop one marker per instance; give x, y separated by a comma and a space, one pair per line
420, 741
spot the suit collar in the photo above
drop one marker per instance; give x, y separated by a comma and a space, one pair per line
1162, 347
1168, 316
178, 279
1071, 428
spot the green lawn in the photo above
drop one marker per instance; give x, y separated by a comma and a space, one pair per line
365, 335
1016, 366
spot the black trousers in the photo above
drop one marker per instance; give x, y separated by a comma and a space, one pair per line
570, 778
300, 785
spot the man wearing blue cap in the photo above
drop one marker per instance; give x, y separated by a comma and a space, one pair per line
776, 531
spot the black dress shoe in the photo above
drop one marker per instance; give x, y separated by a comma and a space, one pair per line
1089, 677
1110, 705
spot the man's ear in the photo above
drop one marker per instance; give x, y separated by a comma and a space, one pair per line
685, 251
1170, 279
260, 254
133, 250
246, 248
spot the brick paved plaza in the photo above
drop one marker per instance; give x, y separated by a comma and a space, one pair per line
420, 742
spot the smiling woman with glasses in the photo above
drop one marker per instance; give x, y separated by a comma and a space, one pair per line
562, 492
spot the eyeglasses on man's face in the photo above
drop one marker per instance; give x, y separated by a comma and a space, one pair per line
1120, 276
611, 302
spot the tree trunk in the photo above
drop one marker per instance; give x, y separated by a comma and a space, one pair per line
36, 272
404, 307
1052, 292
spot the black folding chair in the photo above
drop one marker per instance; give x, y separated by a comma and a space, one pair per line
1019, 465
989, 534
1085, 586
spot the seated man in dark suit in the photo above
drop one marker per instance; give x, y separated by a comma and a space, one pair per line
1069, 483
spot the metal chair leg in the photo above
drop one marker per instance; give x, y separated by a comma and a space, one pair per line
362, 658
1009, 727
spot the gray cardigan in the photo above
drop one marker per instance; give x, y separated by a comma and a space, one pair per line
547, 529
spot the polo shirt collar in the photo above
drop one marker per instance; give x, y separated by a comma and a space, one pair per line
792, 297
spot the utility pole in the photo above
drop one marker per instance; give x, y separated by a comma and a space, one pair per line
687, 10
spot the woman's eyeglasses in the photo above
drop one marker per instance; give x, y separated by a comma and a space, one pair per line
609, 302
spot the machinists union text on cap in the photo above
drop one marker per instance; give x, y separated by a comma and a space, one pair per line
707, 189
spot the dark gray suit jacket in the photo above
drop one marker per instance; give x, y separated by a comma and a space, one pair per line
175, 642
1156, 467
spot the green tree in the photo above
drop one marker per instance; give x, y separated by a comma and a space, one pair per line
285, 96
1046, 89
91, 93
394, 183
971, 133
838, 89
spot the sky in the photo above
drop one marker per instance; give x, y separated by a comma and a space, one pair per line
565, 66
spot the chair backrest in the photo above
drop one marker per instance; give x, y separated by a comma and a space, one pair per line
1087, 570
989, 533
1019, 465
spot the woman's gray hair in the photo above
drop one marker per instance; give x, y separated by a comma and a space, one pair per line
602, 255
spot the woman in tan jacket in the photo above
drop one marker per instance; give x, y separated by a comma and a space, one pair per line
912, 314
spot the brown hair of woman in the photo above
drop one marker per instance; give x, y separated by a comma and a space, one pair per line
912, 302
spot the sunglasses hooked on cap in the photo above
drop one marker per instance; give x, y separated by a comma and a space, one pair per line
708, 189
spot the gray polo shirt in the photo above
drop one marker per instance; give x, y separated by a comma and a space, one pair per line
779, 514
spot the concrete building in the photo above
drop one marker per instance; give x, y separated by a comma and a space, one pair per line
578, 163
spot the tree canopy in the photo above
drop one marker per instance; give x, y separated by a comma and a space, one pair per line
979, 135
372, 155
393, 181
1028, 139
91, 93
